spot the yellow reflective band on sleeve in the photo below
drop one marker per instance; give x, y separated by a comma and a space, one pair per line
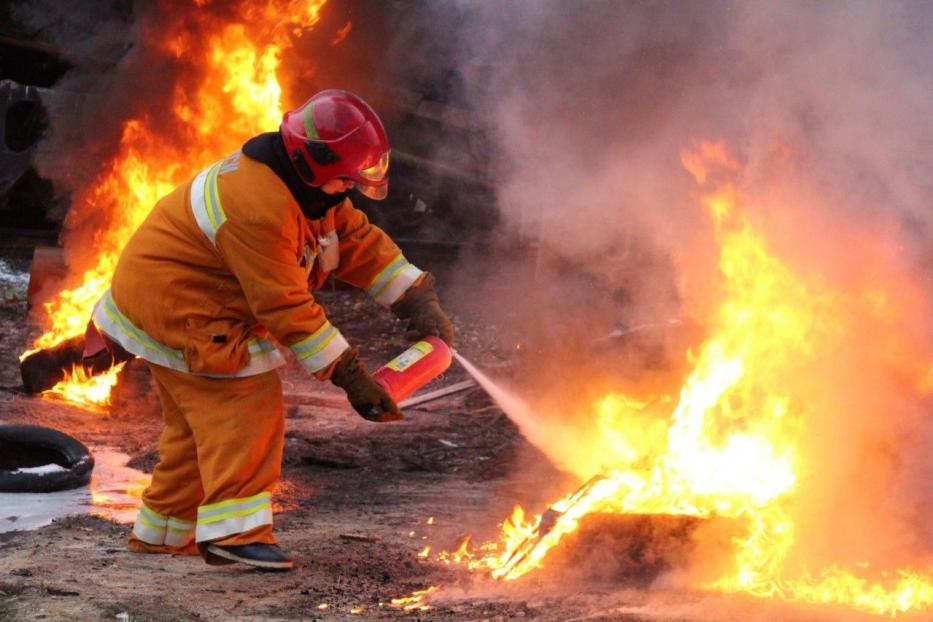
389, 285
321, 348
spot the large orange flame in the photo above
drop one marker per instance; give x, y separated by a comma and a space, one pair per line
732, 445
230, 93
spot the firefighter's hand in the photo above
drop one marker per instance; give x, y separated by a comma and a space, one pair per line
367, 397
423, 311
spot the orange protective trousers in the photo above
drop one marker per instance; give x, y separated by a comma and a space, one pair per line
220, 456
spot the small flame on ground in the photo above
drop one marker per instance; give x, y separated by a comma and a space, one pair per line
414, 602
82, 390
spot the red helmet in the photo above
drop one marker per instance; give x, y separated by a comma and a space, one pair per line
337, 134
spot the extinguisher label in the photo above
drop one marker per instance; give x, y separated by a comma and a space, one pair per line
410, 356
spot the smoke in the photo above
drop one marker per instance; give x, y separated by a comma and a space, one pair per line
826, 108
85, 106
157, 65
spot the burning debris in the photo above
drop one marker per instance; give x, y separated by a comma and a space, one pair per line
757, 431
733, 445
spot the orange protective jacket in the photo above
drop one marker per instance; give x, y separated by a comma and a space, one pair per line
227, 260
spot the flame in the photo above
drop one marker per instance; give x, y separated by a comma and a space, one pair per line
83, 390
414, 602
731, 445
229, 93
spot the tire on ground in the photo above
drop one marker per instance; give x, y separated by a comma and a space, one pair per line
24, 447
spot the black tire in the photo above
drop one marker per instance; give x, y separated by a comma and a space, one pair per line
26, 446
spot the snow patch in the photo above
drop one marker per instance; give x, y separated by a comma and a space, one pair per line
41, 470
114, 493
13, 286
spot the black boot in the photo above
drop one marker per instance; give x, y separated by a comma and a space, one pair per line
267, 556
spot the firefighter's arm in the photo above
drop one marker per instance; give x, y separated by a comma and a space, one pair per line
371, 260
259, 253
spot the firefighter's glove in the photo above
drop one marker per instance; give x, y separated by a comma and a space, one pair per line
367, 397
420, 306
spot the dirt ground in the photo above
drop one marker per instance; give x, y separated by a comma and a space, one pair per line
353, 509
353, 504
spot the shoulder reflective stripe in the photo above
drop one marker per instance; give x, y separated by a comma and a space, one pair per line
233, 516
321, 348
393, 280
205, 202
215, 210
264, 356
230, 163
199, 207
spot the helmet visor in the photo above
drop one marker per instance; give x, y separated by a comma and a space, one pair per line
376, 193
378, 171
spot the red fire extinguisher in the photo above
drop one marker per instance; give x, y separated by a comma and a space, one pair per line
413, 368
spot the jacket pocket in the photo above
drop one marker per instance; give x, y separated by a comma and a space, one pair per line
215, 346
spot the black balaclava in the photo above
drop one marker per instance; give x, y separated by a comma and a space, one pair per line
269, 149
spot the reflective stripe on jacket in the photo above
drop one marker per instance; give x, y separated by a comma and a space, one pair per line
229, 258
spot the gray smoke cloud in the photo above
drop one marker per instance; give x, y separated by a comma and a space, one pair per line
827, 108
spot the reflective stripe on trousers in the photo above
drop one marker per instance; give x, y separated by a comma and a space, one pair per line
154, 528
232, 516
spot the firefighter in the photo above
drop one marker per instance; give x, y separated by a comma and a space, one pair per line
220, 270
